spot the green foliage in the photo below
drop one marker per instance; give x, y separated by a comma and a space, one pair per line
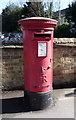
62, 31
71, 13
71, 17
33, 9
10, 15
37, 9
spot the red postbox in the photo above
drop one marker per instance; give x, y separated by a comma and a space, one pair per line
38, 60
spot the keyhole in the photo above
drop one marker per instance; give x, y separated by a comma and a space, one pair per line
50, 60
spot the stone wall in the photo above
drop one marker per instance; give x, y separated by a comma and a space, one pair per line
64, 67
12, 68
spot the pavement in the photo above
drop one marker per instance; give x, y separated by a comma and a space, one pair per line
63, 106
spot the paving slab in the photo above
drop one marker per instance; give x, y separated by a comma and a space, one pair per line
63, 106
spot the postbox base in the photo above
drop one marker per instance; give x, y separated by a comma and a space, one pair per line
38, 100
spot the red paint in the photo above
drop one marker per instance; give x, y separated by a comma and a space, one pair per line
38, 71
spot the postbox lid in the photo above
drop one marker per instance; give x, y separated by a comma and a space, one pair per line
37, 22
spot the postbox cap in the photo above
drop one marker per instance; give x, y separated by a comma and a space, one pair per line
34, 22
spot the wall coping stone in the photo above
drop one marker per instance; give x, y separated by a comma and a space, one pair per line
55, 45
64, 45
65, 40
11, 47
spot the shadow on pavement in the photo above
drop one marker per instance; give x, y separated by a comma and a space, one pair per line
14, 105
71, 94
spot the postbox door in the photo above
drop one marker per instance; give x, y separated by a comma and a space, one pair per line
43, 63
38, 56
